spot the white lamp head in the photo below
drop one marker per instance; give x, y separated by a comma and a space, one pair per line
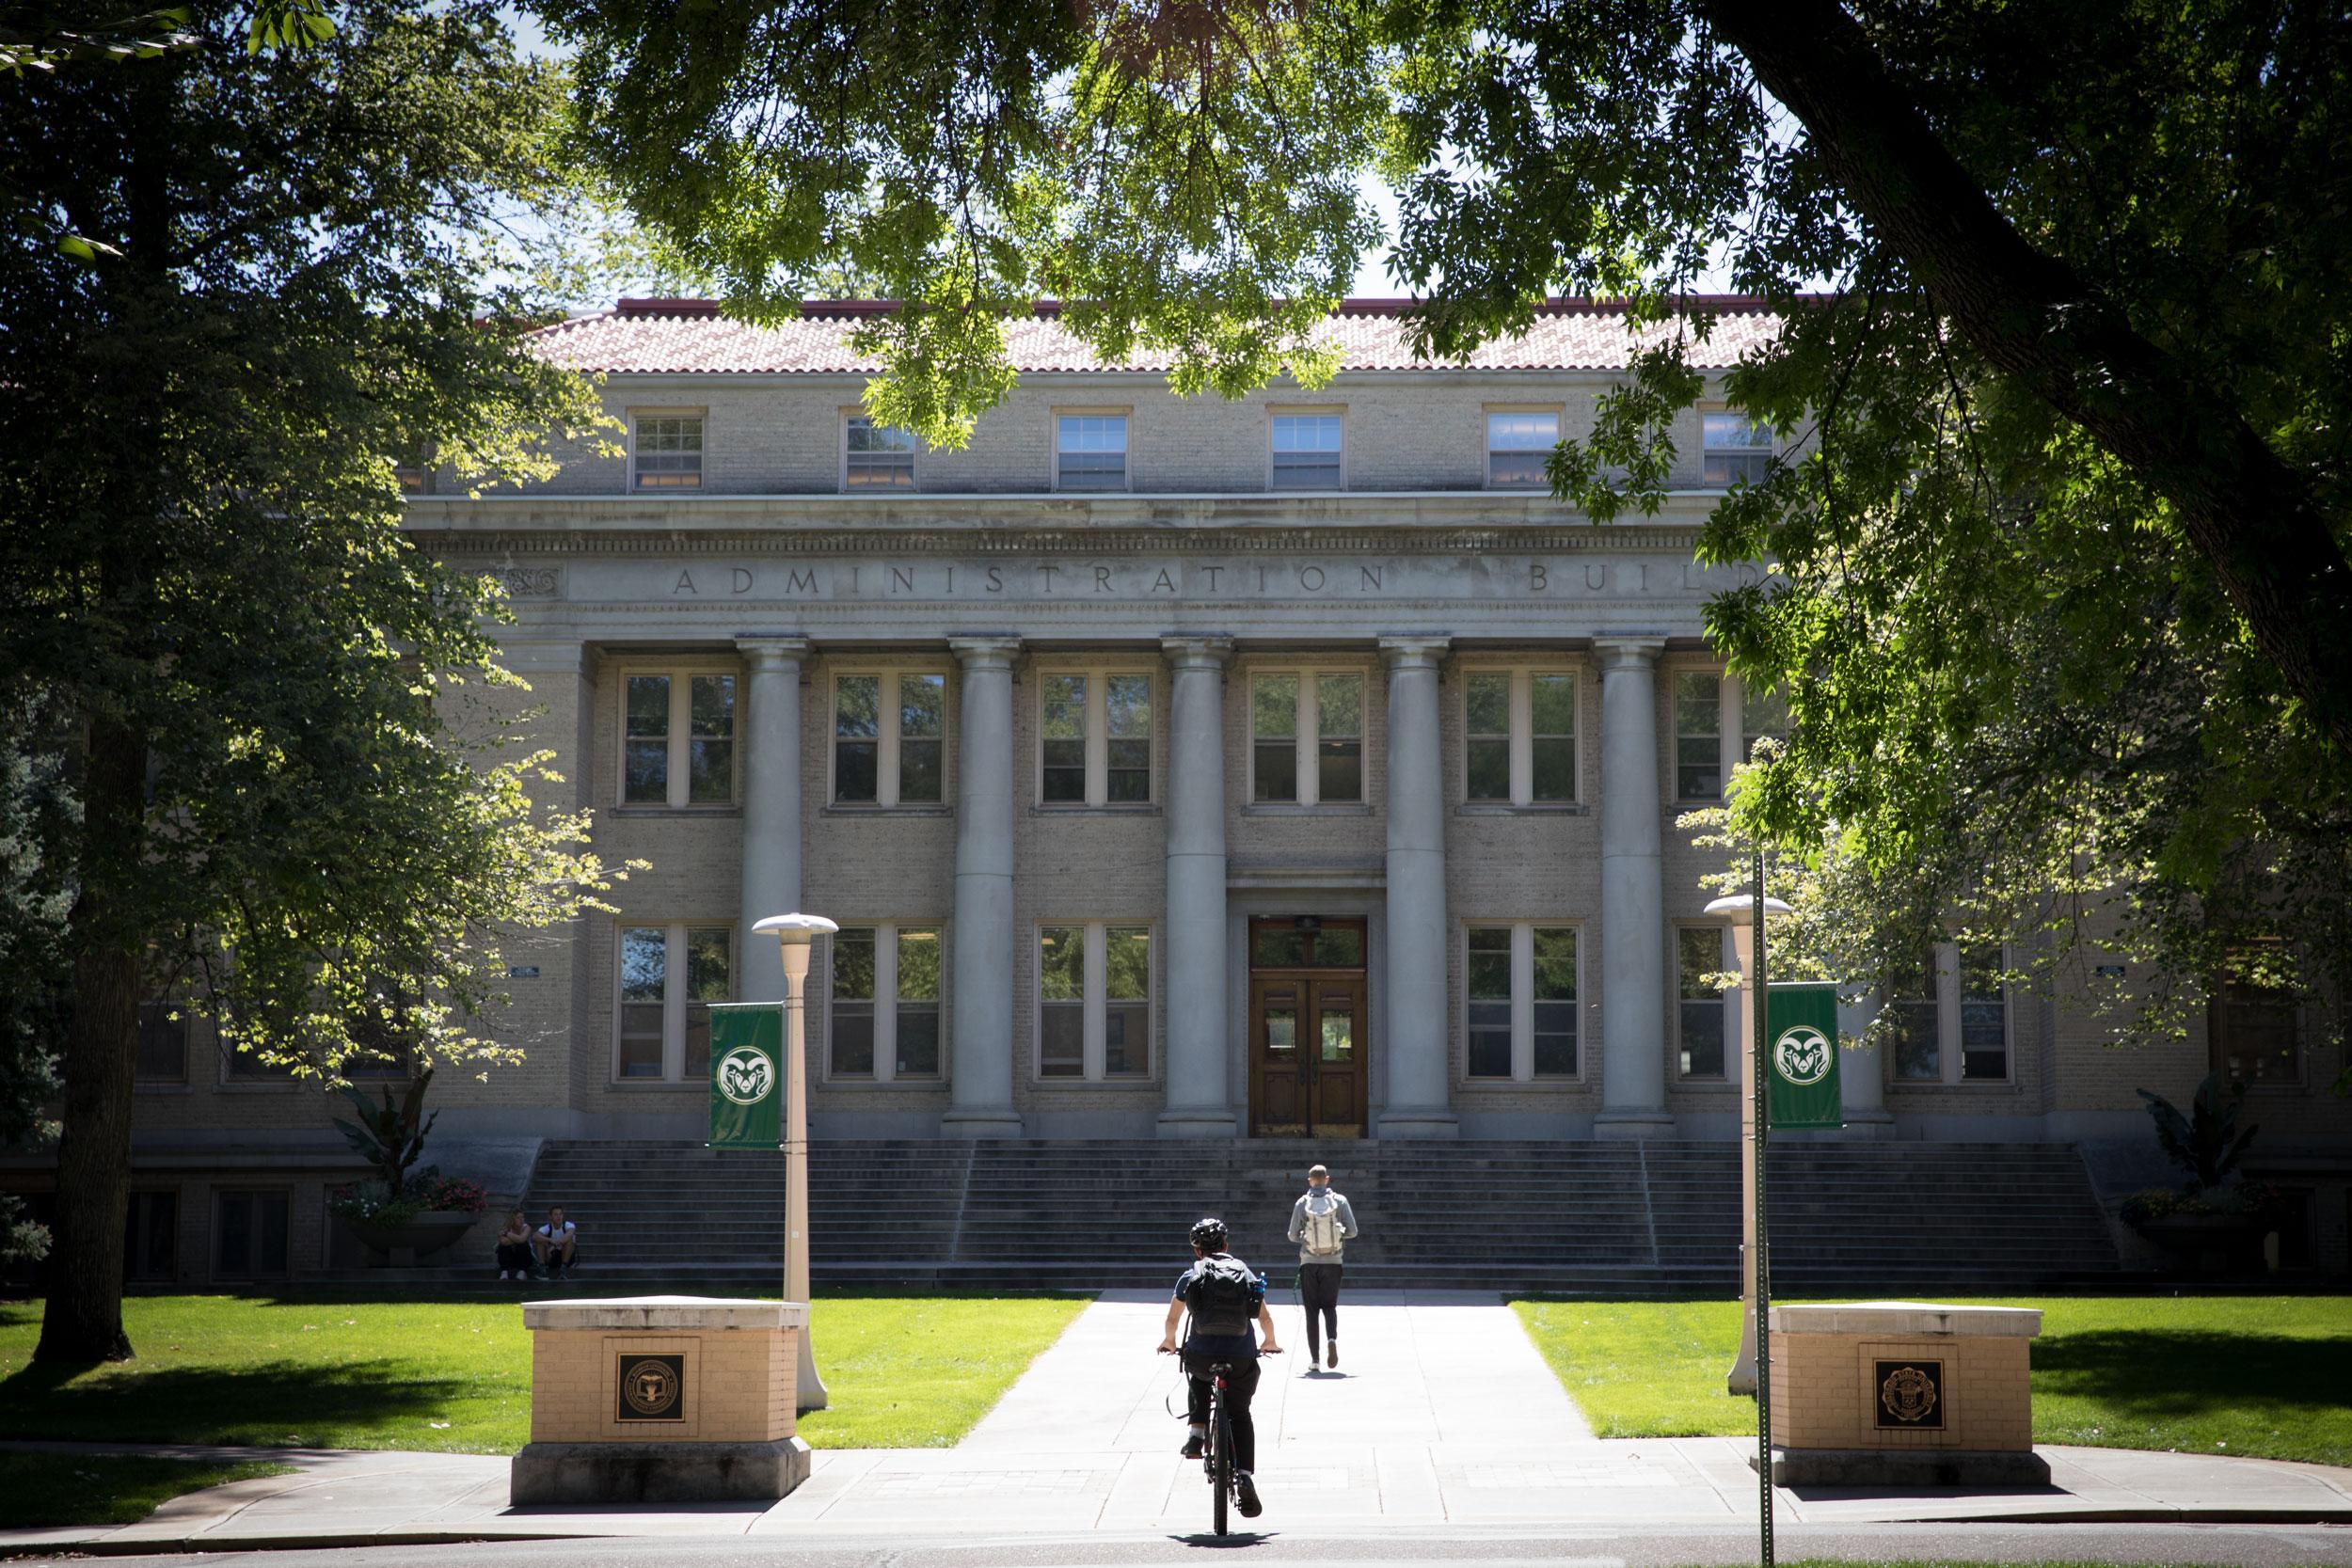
797, 930
1739, 908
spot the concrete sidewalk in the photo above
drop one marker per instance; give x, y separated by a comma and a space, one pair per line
1441, 1420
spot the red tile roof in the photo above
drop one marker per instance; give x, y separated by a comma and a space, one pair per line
674, 335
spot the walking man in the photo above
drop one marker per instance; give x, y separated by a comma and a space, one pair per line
1321, 1223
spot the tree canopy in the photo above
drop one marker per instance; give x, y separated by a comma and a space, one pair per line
2059, 590
260, 757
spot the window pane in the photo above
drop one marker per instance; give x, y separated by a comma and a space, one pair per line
1486, 722
1983, 1015
1490, 964
711, 739
646, 761
1064, 724
1339, 1033
1551, 701
645, 984
1306, 452
2260, 1035
851, 1047
918, 1042
1555, 769
1279, 947
1910, 1008
922, 720
1092, 451
669, 453
1486, 704
856, 725
1274, 722
1555, 1001
1490, 1039
918, 965
163, 1055
1281, 1031
707, 980
1699, 953
1489, 769
1516, 446
880, 457
1736, 448
1698, 737
1061, 965
1761, 714
1127, 996
1339, 947
1127, 719
1339, 752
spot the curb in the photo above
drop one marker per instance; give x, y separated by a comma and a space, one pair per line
114, 1545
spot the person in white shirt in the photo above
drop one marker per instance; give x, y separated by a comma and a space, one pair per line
1321, 1223
557, 1243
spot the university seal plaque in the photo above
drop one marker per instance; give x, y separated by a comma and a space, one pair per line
1910, 1393
652, 1388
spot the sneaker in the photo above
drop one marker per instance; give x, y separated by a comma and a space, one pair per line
1196, 1445
507, 1274
1251, 1506
1333, 1359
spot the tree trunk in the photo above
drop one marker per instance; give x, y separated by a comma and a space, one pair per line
2257, 524
83, 1320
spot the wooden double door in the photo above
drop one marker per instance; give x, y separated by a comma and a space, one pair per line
1308, 1035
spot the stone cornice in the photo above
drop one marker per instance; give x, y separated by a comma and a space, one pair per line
1457, 522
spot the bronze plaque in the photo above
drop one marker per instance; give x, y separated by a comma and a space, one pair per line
1910, 1393
652, 1388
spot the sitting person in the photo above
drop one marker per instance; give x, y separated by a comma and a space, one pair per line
557, 1244
515, 1248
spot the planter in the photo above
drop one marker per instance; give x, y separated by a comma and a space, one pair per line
410, 1242
2211, 1244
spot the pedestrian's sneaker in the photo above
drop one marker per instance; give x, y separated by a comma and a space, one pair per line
1331, 1356
1251, 1506
1195, 1446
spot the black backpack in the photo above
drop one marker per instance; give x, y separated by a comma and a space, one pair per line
1223, 1296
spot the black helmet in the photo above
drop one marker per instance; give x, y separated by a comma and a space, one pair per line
1209, 1235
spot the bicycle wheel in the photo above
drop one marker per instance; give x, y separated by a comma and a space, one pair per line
1220, 1459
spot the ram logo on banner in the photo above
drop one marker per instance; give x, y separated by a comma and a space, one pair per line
1801, 1021
747, 1075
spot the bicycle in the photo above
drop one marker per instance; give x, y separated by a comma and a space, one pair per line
1217, 1460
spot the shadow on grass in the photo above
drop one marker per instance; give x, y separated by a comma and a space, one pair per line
2159, 1373
267, 1403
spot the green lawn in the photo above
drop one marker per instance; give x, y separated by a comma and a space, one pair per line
2269, 1376
43, 1489
903, 1372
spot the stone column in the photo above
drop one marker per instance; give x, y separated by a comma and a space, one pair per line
1861, 1075
1633, 895
980, 1012
1199, 1074
1418, 1106
769, 720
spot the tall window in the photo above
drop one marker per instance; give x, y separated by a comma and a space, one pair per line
1094, 738
1306, 452
163, 1055
1735, 448
1091, 452
1517, 446
883, 1024
1521, 988
1983, 1015
1306, 737
1519, 735
1913, 1005
1698, 737
2254, 1032
678, 738
668, 451
1700, 1000
880, 457
1094, 1001
150, 1240
669, 975
250, 1235
889, 739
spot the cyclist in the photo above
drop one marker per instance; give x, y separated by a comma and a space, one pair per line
1223, 1296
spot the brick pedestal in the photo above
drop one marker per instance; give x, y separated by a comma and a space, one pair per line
661, 1399
1898, 1393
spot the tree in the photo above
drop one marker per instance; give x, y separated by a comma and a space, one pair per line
288, 782
2059, 590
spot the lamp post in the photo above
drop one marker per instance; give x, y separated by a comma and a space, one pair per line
796, 932
1739, 911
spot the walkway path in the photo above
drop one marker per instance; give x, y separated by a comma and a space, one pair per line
1441, 1423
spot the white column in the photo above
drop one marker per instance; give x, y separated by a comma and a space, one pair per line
981, 1019
769, 720
1862, 1074
1633, 895
1200, 1100
1417, 1102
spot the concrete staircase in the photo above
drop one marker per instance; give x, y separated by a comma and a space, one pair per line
1602, 1218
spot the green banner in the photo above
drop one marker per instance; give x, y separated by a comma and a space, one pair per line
747, 1075
1800, 1024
